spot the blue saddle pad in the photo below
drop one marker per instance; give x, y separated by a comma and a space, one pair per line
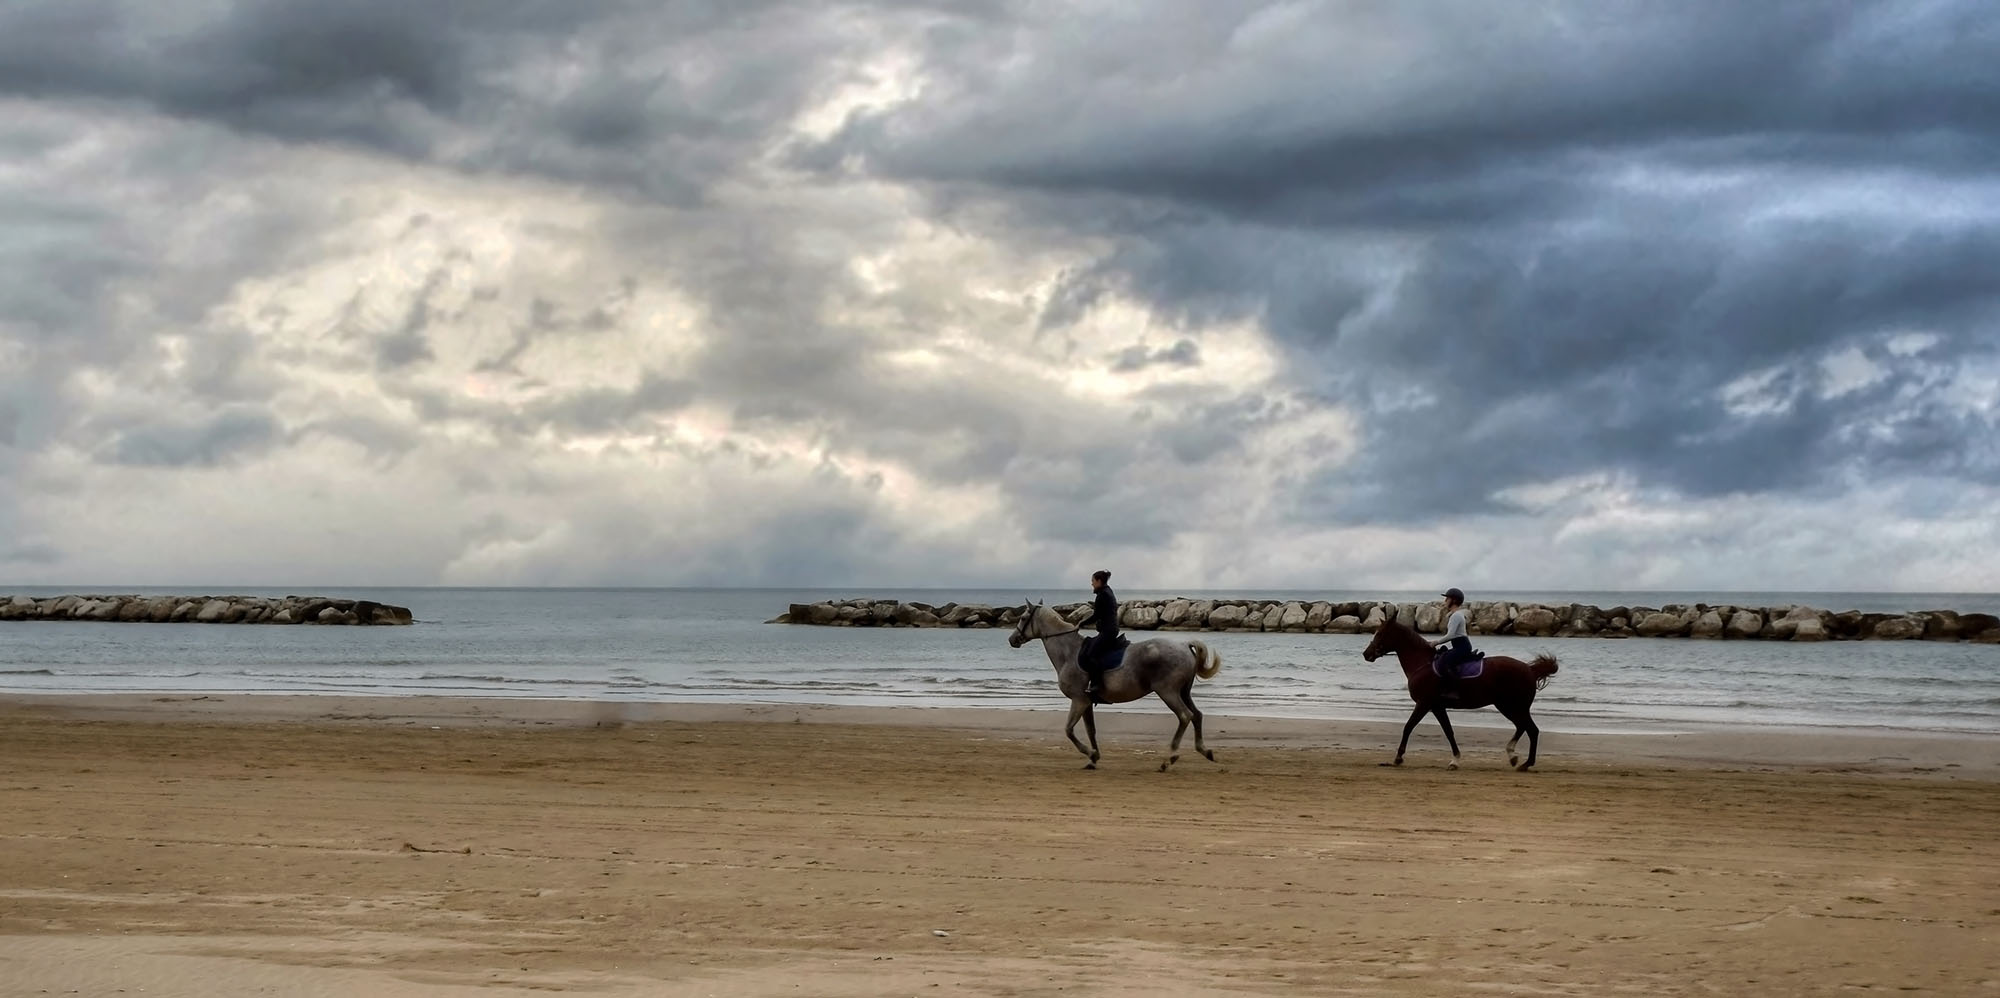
1110, 658
1471, 668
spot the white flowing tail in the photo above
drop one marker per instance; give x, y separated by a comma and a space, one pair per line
1206, 663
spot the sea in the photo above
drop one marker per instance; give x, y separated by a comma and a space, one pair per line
715, 645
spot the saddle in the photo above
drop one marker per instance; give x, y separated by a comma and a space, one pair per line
1471, 668
1103, 660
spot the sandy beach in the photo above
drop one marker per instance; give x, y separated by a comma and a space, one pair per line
335, 846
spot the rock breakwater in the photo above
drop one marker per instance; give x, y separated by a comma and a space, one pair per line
1572, 620
203, 609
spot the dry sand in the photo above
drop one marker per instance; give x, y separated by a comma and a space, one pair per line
320, 846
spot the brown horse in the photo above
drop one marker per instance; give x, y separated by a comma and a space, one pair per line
1507, 684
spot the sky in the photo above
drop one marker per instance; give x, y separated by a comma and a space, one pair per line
1597, 295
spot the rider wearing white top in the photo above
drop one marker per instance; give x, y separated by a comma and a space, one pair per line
1454, 627
1456, 648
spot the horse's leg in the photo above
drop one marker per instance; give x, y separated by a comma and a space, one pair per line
1519, 715
1090, 728
1079, 709
1415, 716
1181, 712
1187, 697
1445, 723
1534, 738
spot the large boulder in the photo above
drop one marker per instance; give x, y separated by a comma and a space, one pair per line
1972, 625
1536, 621
1941, 625
1319, 615
1744, 624
1846, 625
1228, 616
1810, 629
1273, 618
1175, 613
1899, 629
1490, 618
1430, 618
1989, 636
1661, 625
1346, 623
822, 614
1783, 627
212, 611
1291, 617
912, 615
1140, 618
1377, 614
1708, 625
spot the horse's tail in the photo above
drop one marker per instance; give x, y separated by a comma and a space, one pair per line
1206, 663
1542, 668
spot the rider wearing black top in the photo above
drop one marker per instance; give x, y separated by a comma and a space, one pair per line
1103, 613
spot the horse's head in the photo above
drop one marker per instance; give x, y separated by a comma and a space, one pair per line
1384, 642
1025, 629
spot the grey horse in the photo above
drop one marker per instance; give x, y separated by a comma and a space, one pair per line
1156, 665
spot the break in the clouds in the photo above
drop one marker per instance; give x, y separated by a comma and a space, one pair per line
1677, 295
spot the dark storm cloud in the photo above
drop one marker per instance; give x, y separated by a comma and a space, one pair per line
231, 434
1537, 243
1184, 353
658, 99
1234, 117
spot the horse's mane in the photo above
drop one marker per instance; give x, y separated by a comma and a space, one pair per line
1037, 612
1393, 625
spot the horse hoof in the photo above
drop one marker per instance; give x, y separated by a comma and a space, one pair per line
1514, 761
1394, 762
1452, 764
1164, 765
1524, 769
1209, 754
1090, 765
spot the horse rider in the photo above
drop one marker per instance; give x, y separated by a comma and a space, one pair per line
1456, 648
1103, 613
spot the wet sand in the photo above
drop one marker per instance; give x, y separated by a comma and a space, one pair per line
334, 846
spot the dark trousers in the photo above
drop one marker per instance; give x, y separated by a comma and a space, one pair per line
1091, 658
1457, 654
